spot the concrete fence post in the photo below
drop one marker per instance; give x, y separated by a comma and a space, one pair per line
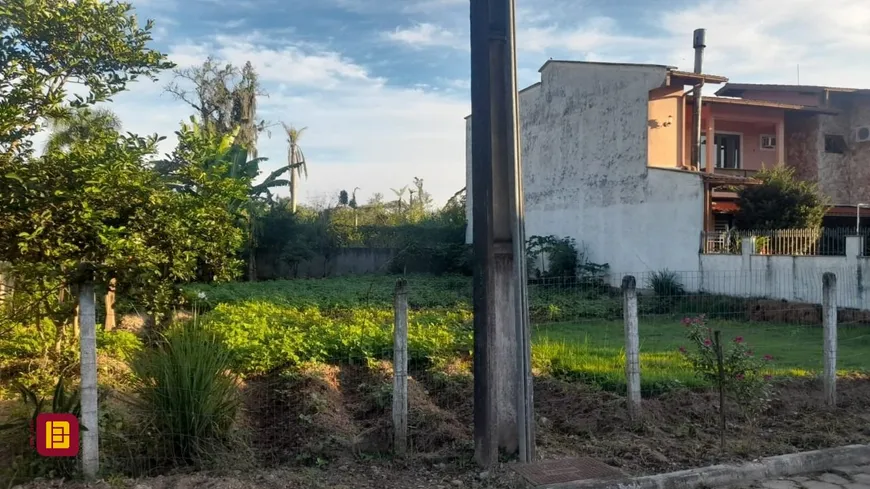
854, 247
88, 343
400, 368
632, 346
829, 318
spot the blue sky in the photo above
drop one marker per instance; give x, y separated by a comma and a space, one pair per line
382, 85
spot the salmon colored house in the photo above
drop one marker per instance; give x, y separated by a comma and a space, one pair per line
752, 128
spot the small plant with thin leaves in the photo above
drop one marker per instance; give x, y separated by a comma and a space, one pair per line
667, 287
187, 395
744, 378
16, 434
666, 283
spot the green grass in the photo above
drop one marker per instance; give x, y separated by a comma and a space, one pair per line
593, 351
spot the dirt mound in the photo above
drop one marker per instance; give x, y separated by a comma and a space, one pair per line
300, 416
319, 413
785, 312
431, 429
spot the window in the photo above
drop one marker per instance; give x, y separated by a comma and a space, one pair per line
727, 151
834, 143
768, 141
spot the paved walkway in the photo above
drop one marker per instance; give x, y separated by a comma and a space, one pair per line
851, 477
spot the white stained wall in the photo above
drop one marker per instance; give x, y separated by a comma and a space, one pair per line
584, 147
789, 278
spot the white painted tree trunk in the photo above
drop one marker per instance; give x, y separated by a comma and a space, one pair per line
90, 417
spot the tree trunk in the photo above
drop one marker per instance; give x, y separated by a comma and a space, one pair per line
252, 257
109, 323
293, 172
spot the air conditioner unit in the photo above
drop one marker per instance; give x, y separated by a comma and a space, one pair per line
862, 134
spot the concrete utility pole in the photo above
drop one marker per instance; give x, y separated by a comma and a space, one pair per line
503, 413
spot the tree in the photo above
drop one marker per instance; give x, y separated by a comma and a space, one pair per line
47, 44
780, 202
342, 198
400, 193
78, 125
453, 212
225, 99
295, 162
200, 150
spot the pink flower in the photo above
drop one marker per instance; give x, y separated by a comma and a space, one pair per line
687, 321
767, 377
739, 339
740, 377
768, 358
708, 342
682, 349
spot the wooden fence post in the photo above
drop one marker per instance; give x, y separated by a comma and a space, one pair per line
632, 346
400, 369
109, 323
88, 344
829, 320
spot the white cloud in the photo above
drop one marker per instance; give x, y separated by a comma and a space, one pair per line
362, 131
760, 40
427, 35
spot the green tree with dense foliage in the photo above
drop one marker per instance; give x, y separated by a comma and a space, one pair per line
46, 45
781, 201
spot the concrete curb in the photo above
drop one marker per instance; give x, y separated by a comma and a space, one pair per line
732, 474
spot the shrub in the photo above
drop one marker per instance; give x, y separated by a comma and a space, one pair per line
744, 377
186, 394
36, 356
666, 283
780, 202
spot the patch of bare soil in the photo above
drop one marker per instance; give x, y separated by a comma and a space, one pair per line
300, 415
329, 426
322, 414
680, 429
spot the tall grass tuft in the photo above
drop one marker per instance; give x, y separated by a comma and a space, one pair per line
666, 283
187, 394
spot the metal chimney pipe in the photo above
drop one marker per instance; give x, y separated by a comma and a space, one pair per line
699, 43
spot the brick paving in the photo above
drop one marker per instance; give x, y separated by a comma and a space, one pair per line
848, 477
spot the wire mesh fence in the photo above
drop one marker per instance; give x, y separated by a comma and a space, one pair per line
301, 373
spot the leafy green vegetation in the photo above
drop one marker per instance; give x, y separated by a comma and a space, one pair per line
262, 336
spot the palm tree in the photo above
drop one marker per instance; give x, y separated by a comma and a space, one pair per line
76, 125
400, 193
295, 162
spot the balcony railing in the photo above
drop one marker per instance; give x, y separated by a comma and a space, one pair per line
807, 242
735, 172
